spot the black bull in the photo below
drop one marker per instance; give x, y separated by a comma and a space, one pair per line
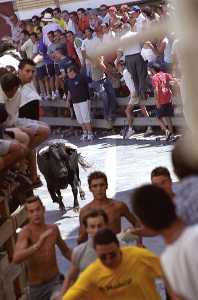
60, 166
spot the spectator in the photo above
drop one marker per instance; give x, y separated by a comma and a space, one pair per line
36, 248
15, 26
29, 45
115, 210
71, 49
78, 94
179, 259
94, 20
133, 99
104, 15
83, 20
163, 97
58, 17
69, 25
114, 18
119, 267
36, 24
50, 25
137, 18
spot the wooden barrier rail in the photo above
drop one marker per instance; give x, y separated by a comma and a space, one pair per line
54, 114
12, 277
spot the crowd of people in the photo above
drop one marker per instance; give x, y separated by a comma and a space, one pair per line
56, 51
109, 263
62, 44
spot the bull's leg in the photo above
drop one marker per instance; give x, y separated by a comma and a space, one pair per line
75, 194
55, 198
81, 192
61, 204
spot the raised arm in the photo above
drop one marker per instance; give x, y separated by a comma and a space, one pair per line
65, 250
22, 250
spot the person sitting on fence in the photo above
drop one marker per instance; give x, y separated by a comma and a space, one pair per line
10, 96
78, 93
13, 146
36, 247
134, 100
163, 97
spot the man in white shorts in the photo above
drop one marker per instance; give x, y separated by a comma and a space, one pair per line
134, 100
78, 93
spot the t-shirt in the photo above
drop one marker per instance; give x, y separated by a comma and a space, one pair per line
133, 279
140, 21
28, 94
64, 64
12, 107
84, 254
180, 264
130, 50
78, 88
27, 47
148, 54
161, 83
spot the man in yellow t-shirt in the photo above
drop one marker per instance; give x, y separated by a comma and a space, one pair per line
118, 274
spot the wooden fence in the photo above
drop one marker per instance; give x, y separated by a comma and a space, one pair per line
54, 114
12, 277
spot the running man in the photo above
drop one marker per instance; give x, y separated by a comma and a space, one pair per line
115, 210
36, 247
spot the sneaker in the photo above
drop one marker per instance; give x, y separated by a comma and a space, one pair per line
148, 132
90, 137
83, 137
54, 96
129, 133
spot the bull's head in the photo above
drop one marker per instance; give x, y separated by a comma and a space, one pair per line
57, 160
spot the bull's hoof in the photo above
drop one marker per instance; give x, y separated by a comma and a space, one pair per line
62, 207
76, 209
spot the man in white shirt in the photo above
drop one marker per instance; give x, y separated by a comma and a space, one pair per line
69, 24
104, 15
28, 46
156, 210
50, 25
139, 19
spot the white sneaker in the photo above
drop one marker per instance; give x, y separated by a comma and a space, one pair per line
148, 132
54, 96
83, 137
130, 132
90, 137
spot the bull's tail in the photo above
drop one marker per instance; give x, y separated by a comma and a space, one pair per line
84, 164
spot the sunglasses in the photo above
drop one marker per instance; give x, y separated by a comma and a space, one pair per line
110, 255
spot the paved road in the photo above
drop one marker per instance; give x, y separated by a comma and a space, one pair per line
127, 163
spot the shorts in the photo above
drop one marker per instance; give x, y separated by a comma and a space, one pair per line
165, 110
4, 146
34, 125
82, 112
135, 101
44, 291
41, 72
57, 69
30, 110
50, 69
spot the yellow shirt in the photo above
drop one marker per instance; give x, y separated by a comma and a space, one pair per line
133, 279
60, 22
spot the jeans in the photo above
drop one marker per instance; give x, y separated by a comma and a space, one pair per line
107, 95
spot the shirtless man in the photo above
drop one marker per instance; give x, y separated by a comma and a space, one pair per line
36, 247
115, 210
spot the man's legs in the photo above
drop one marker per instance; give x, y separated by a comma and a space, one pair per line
142, 74
131, 67
111, 98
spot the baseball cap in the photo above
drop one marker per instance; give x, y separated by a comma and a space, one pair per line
134, 8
